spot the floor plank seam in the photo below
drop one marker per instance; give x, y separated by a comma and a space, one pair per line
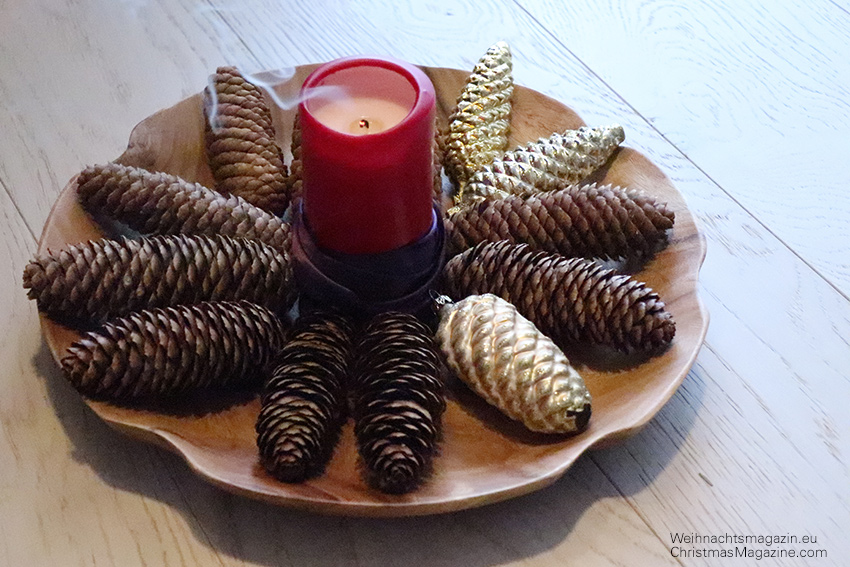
631, 504
18, 209
169, 468
652, 126
840, 7
226, 23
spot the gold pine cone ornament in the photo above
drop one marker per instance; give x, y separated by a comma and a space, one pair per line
545, 165
504, 358
479, 126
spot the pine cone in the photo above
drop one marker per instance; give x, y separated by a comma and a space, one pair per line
303, 403
101, 279
160, 203
293, 181
240, 142
545, 165
568, 299
398, 401
167, 352
503, 357
590, 221
479, 126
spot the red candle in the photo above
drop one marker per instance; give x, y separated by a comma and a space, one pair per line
367, 127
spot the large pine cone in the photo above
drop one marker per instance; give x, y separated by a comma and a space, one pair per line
159, 203
479, 126
240, 141
503, 357
97, 280
398, 401
304, 400
590, 221
167, 352
569, 299
545, 165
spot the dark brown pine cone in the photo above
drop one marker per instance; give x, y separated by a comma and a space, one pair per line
159, 203
568, 299
167, 352
304, 400
593, 222
240, 141
97, 280
398, 401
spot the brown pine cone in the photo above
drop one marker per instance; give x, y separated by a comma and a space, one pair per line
240, 142
545, 165
167, 352
568, 299
294, 185
304, 402
159, 203
590, 221
101, 279
398, 401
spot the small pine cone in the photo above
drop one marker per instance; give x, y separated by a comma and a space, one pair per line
504, 358
101, 279
304, 402
294, 184
479, 126
160, 203
568, 299
240, 141
590, 221
545, 165
398, 401
167, 352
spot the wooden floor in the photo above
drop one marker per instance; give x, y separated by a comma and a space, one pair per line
745, 105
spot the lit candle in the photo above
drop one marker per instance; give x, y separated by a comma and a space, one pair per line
366, 153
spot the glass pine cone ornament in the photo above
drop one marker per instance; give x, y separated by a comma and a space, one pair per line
167, 352
504, 358
304, 399
161, 203
590, 221
479, 126
544, 165
240, 142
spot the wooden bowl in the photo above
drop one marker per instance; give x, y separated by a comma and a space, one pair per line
484, 456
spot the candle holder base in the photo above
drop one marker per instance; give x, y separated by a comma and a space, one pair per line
363, 285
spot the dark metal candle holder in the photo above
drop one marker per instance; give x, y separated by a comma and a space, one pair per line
365, 284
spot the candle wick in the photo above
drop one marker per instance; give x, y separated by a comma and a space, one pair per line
364, 123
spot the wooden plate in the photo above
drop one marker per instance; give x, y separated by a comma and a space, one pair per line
484, 457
